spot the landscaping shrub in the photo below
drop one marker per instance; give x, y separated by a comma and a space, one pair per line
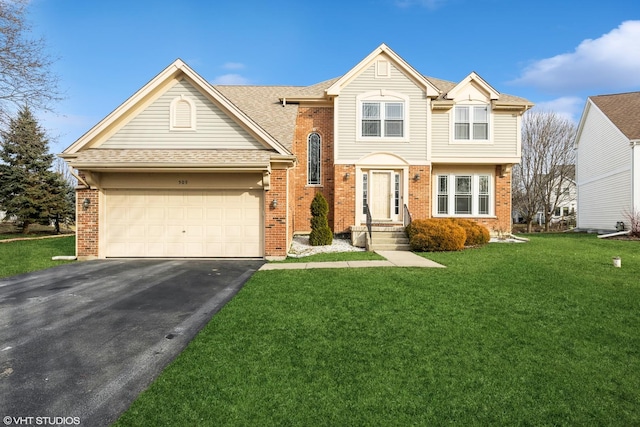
477, 234
436, 235
320, 232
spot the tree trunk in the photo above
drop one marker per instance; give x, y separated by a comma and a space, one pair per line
529, 225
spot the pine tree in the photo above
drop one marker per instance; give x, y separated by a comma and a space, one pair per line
29, 190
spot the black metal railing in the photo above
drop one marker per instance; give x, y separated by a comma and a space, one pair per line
406, 219
369, 220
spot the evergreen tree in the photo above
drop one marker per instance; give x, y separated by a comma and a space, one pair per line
29, 190
320, 232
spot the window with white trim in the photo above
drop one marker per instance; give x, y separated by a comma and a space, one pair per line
313, 159
463, 195
382, 119
182, 114
471, 122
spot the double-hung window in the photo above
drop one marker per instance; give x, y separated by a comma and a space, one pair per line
471, 122
463, 195
383, 119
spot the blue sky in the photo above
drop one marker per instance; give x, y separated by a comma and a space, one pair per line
552, 52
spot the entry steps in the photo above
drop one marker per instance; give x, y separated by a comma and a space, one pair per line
389, 238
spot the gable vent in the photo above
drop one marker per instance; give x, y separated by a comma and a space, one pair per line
182, 114
383, 68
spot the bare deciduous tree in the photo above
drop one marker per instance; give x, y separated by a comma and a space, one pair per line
25, 67
546, 166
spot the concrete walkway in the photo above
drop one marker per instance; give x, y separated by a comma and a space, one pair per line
393, 259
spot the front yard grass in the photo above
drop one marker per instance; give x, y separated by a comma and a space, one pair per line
337, 256
538, 333
30, 255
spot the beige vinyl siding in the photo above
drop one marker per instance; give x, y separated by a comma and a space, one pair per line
349, 149
503, 138
151, 128
603, 173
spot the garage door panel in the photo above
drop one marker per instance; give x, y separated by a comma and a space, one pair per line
194, 213
155, 249
169, 223
213, 214
155, 215
175, 213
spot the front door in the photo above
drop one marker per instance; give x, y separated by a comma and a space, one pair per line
381, 189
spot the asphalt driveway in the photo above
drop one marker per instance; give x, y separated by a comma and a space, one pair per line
81, 341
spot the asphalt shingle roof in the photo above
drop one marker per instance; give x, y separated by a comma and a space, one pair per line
623, 109
168, 158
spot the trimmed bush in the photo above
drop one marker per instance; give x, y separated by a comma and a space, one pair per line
320, 232
436, 235
477, 234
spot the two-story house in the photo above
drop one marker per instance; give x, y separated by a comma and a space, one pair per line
187, 169
607, 162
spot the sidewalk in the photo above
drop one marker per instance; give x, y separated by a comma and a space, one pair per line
393, 259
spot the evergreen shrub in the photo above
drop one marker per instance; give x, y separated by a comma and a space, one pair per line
320, 232
435, 235
477, 234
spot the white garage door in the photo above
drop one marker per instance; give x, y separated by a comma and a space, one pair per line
167, 223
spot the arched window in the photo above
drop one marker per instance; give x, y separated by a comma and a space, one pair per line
313, 159
183, 114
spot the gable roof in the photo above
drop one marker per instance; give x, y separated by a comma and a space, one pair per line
493, 94
623, 109
177, 69
269, 112
383, 49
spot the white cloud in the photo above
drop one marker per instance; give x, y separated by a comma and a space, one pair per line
608, 63
230, 79
233, 66
569, 107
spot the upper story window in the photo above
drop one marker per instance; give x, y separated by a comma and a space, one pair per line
313, 159
382, 114
383, 119
182, 114
471, 122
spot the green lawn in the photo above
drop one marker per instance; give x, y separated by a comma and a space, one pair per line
31, 255
337, 256
540, 333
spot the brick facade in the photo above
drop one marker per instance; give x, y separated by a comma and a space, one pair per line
276, 235
87, 223
419, 202
319, 120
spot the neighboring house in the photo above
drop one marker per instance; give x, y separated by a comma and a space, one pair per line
567, 201
608, 161
187, 169
564, 211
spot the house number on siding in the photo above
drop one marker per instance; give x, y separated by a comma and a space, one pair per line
182, 182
